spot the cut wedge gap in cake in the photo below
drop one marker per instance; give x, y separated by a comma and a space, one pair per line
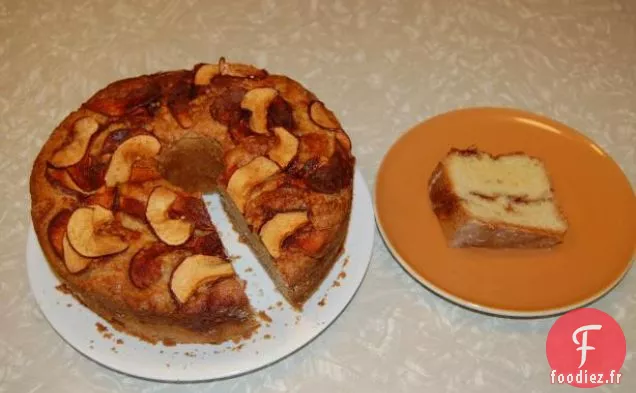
253, 242
503, 201
195, 151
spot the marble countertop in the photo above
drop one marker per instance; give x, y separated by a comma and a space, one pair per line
383, 66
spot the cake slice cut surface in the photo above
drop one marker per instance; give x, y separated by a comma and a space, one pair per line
495, 201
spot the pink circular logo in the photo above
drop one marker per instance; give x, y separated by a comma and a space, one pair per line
586, 348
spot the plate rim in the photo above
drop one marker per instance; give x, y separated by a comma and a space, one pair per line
33, 246
468, 304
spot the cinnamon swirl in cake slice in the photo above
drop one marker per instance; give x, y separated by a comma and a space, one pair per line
503, 201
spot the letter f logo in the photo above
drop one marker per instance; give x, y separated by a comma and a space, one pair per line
583, 344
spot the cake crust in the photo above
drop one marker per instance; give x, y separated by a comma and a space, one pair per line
198, 117
461, 229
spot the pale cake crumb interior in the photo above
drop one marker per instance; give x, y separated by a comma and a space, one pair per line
489, 189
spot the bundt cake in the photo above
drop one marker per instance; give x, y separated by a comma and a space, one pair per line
117, 197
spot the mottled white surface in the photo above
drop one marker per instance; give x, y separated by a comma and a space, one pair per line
382, 66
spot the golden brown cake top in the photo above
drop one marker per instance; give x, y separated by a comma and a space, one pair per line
116, 189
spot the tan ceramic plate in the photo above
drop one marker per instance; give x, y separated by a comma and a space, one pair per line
593, 192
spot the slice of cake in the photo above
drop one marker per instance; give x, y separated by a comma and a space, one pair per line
495, 201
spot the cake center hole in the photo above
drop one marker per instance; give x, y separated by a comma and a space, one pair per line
192, 163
